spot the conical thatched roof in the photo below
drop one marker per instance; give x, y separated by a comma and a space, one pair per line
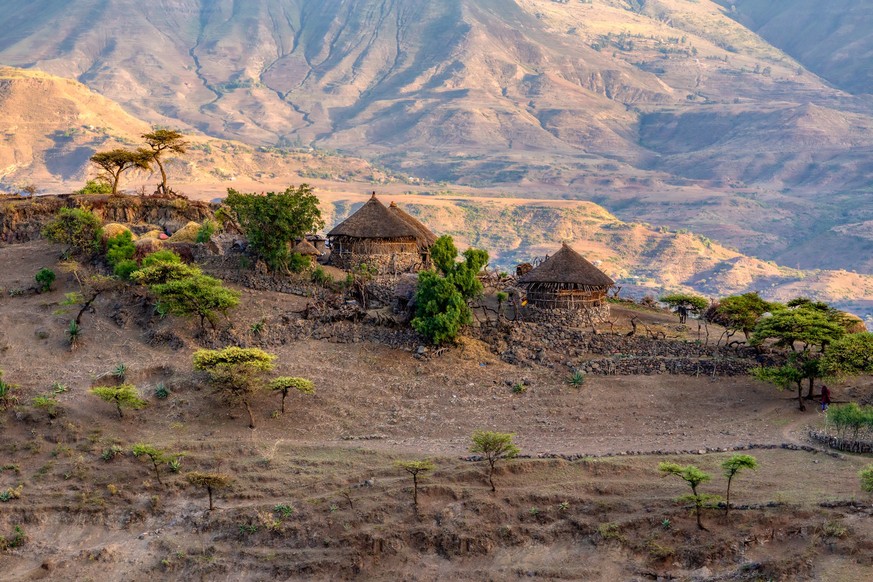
306, 249
374, 220
425, 236
567, 266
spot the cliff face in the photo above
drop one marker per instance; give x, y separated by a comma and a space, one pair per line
22, 219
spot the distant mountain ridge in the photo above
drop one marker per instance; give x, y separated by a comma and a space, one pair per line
668, 111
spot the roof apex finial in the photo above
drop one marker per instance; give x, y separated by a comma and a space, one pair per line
373, 197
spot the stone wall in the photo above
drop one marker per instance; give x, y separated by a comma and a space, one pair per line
384, 264
840, 444
22, 219
587, 317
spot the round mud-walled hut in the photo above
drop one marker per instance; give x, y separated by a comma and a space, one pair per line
567, 285
385, 239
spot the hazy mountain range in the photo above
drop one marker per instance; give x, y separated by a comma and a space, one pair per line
749, 121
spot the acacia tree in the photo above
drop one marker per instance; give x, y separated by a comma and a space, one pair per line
272, 221
157, 456
236, 373
415, 468
284, 384
123, 396
694, 477
494, 446
805, 330
731, 467
185, 291
209, 481
684, 304
442, 296
740, 313
162, 141
117, 161
851, 355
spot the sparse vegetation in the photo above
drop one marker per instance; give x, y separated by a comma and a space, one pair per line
161, 142
693, 477
415, 468
236, 373
493, 446
285, 384
78, 229
117, 161
123, 396
45, 277
209, 481
157, 457
731, 468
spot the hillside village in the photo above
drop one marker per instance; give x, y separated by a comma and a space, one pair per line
389, 353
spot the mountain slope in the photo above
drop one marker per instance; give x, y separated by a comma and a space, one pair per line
666, 111
833, 39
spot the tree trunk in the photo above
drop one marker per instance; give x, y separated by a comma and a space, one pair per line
491, 478
810, 391
415, 490
284, 394
800, 397
697, 504
251, 416
118, 407
157, 472
163, 186
727, 501
209, 492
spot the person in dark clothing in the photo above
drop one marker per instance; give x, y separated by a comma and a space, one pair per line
825, 397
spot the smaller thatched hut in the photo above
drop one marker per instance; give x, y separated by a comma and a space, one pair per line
385, 239
566, 281
307, 249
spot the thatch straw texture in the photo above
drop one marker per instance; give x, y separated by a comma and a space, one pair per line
306, 249
187, 233
568, 267
374, 221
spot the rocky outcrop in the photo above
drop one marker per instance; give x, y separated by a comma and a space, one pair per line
22, 219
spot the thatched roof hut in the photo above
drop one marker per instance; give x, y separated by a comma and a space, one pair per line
566, 280
386, 239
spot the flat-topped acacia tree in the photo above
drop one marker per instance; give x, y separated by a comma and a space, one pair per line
123, 396
285, 384
236, 373
115, 162
162, 141
493, 446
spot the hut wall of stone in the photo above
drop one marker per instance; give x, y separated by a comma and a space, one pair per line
388, 257
574, 317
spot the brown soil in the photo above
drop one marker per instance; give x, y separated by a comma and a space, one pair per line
329, 457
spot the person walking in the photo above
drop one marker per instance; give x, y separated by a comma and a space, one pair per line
825, 397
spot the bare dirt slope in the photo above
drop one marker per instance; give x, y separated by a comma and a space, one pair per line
315, 494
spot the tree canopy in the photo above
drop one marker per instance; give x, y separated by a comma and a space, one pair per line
272, 221
441, 296
235, 372
117, 161
162, 141
684, 304
79, 229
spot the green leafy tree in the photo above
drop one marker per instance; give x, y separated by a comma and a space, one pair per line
731, 468
694, 477
493, 446
236, 373
162, 142
79, 229
98, 186
284, 384
123, 396
271, 222
185, 291
442, 296
415, 468
209, 481
851, 355
45, 277
740, 312
117, 161
156, 456
805, 330
684, 304
783, 377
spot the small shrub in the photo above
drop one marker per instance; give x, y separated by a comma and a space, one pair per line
95, 187
576, 379
124, 269
175, 465
11, 493
319, 276
111, 452
45, 277
519, 388
297, 263
161, 391
120, 372
533, 511
248, 528
564, 506
284, 511
207, 229
6, 397
74, 333
258, 327
162, 256
48, 403
17, 540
